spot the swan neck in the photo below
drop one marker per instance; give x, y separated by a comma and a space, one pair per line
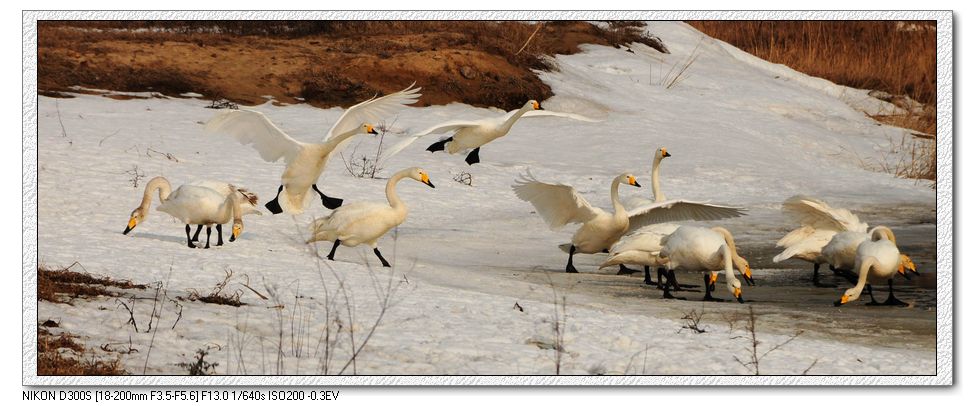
158, 183
658, 195
881, 232
614, 195
729, 273
514, 117
862, 279
391, 195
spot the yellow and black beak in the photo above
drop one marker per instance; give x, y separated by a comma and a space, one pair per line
536, 106
747, 276
738, 295
907, 263
426, 180
632, 181
665, 153
235, 232
371, 130
130, 226
842, 301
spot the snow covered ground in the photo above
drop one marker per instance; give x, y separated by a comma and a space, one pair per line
476, 271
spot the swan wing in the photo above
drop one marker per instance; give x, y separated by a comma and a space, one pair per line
373, 111
680, 210
557, 204
255, 129
550, 113
816, 213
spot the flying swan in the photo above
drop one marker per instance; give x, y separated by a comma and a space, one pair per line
818, 224
877, 261
306, 161
707, 250
472, 134
365, 222
204, 203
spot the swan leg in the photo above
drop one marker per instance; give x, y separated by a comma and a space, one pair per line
672, 280
708, 289
196, 235
473, 157
381, 259
219, 234
873, 302
666, 287
189, 242
816, 281
208, 238
331, 254
439, 145
626, 271
569, 268
661, 274
646, 276
330, 203
891, 300
273, 206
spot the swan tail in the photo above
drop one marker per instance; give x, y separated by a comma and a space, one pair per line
633, 258
320, 230
565, 247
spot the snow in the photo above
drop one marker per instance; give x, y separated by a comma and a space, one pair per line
742, 132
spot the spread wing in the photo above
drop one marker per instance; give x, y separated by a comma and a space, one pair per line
255, 129
680, 210
817, 214
373, 111
557, 204
447, 126
550, 113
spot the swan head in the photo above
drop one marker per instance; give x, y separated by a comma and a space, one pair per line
236, 230
907, 265
629, 179
734, 287
533, 105
745, 269
421, 176
134, 219
368, 129
662, 153
849, 295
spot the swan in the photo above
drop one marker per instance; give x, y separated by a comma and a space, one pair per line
708, 250
473, 134
365, 222
818, 224
661, 210
877, 261
841, 250
197, 204
560, 204
643, 248
306, 161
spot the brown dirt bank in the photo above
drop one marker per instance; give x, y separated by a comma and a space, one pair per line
325, 63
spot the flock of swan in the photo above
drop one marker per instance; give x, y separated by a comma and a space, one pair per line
637, 231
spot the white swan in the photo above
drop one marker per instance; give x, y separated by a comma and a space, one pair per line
706, 250
841, 250
561, 204
365, 222
877, 261
306, 161
818, 224
472, 134
661, 210
642, 247
204, 203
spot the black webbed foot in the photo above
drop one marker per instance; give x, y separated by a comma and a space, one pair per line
273, 206
439, 145
626, 271
473, 157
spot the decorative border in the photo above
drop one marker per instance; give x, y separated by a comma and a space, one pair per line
945, 258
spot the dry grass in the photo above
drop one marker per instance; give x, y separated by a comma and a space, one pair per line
897, 57
61, 355
62, 285
326, 63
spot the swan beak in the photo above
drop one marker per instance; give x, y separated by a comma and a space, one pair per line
842, 301
235, 232
371, 130
536, 106
738, 295
666, 154
747, 275
130, 226
632, 181
907, 263
426, 180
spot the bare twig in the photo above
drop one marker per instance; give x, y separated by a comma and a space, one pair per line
530, 38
